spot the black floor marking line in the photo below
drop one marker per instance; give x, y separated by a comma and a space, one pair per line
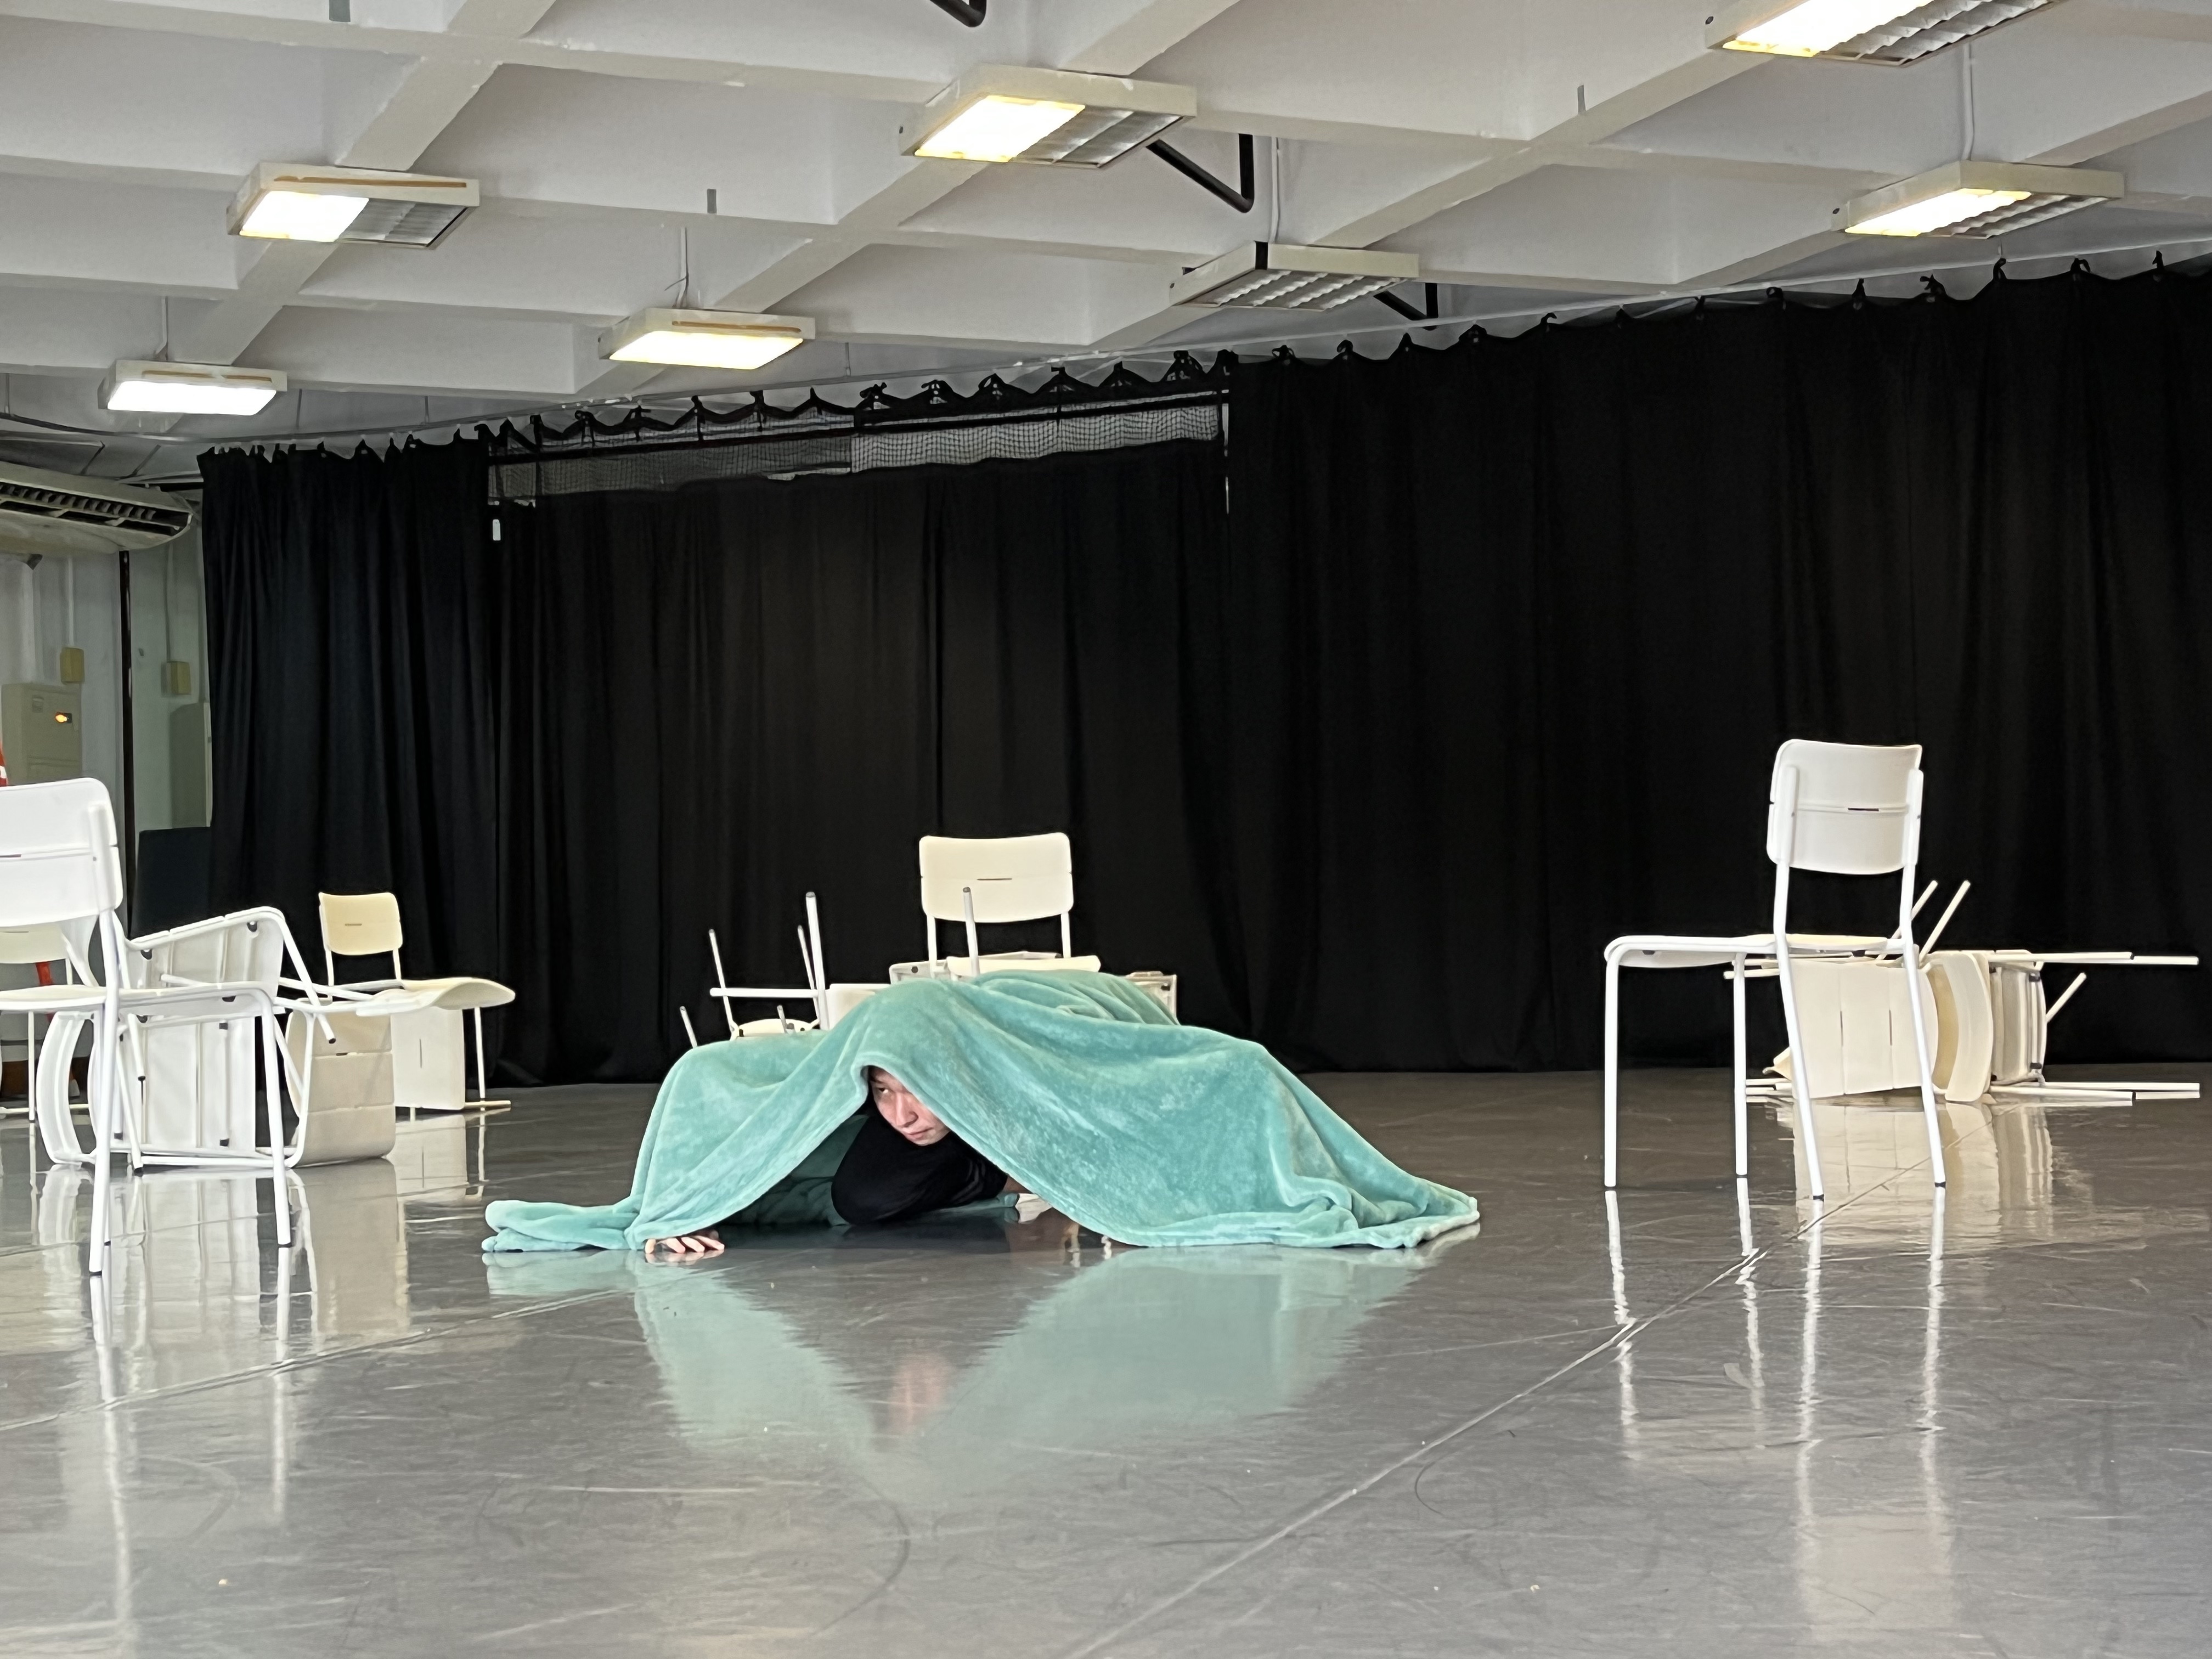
1620, 1334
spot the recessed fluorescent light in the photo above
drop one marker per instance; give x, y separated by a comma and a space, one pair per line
703, 339
309, 204
999, 112
190, 388
1281, 277
1978, 198
1862, 31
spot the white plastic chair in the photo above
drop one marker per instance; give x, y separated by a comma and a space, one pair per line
367, 925
58, 864
1002, 879
1838, 808
28, 947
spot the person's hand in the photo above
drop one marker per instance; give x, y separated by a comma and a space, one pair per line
704, 1243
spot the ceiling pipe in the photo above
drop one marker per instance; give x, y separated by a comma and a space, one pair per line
970, 12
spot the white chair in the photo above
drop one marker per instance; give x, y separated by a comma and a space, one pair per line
815, 992
195, 1101
1842, 809
30, 947
1002, 879
58, 865
427, 1050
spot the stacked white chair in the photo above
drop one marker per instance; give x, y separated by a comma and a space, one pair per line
59, 865
1839, 808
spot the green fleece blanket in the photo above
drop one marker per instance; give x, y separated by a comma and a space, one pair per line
1081, 1086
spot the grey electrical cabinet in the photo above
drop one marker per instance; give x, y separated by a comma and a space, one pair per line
41, 732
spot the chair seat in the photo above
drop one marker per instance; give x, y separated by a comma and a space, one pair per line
416, 996
1715, 950
1686, 950
49, 999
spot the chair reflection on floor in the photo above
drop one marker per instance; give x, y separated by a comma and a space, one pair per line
1858, 1552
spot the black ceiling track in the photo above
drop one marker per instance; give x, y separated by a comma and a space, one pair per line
970, 12
1407, 311
1241, 197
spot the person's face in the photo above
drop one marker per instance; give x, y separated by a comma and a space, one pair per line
902, 1111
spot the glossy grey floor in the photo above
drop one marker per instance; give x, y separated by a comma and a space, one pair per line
1702, 1420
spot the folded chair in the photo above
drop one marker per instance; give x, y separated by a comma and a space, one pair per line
1842, 809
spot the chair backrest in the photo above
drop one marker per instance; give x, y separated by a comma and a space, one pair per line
360, 924
58, 861
1858, 808
1013, 877
37, 942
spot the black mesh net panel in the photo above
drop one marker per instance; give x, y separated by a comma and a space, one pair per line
935, 426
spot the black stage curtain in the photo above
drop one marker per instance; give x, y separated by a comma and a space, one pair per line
1516, 627
351, 611
721, 697
1479, 659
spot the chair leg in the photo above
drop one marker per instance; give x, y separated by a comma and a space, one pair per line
101, 1078
278, 1191
1914, 976
482, 1093
1742, 1085
1612, 1073
1800, 1090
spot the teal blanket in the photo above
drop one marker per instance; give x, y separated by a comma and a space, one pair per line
1081, 1086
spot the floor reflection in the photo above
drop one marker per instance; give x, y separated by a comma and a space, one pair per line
1085, 1355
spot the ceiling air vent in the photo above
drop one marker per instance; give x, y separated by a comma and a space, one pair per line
45, 511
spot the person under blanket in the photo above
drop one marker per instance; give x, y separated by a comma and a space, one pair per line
904, 1163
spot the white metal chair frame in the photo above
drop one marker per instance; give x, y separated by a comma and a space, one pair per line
306, 998
996, 879
1853, 819
815, 992
60, 864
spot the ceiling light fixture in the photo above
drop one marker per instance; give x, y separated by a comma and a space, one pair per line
150, 388
1978, 198
288, 202
1861, 30
1000, 113
1280, 276
703, 339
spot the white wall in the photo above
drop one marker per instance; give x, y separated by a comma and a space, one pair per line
35, 616
35, 623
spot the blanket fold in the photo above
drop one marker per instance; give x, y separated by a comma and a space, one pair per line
1081, 1085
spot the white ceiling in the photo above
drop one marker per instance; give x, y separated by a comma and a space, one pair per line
1535, 154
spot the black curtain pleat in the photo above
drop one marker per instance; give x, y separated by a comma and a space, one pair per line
1375, 727
352, 624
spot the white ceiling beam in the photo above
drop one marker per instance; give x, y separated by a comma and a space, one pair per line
1117, 37
1668, 87
427, 98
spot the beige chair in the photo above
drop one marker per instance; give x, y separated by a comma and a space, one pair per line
1000, 879
426, 1044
